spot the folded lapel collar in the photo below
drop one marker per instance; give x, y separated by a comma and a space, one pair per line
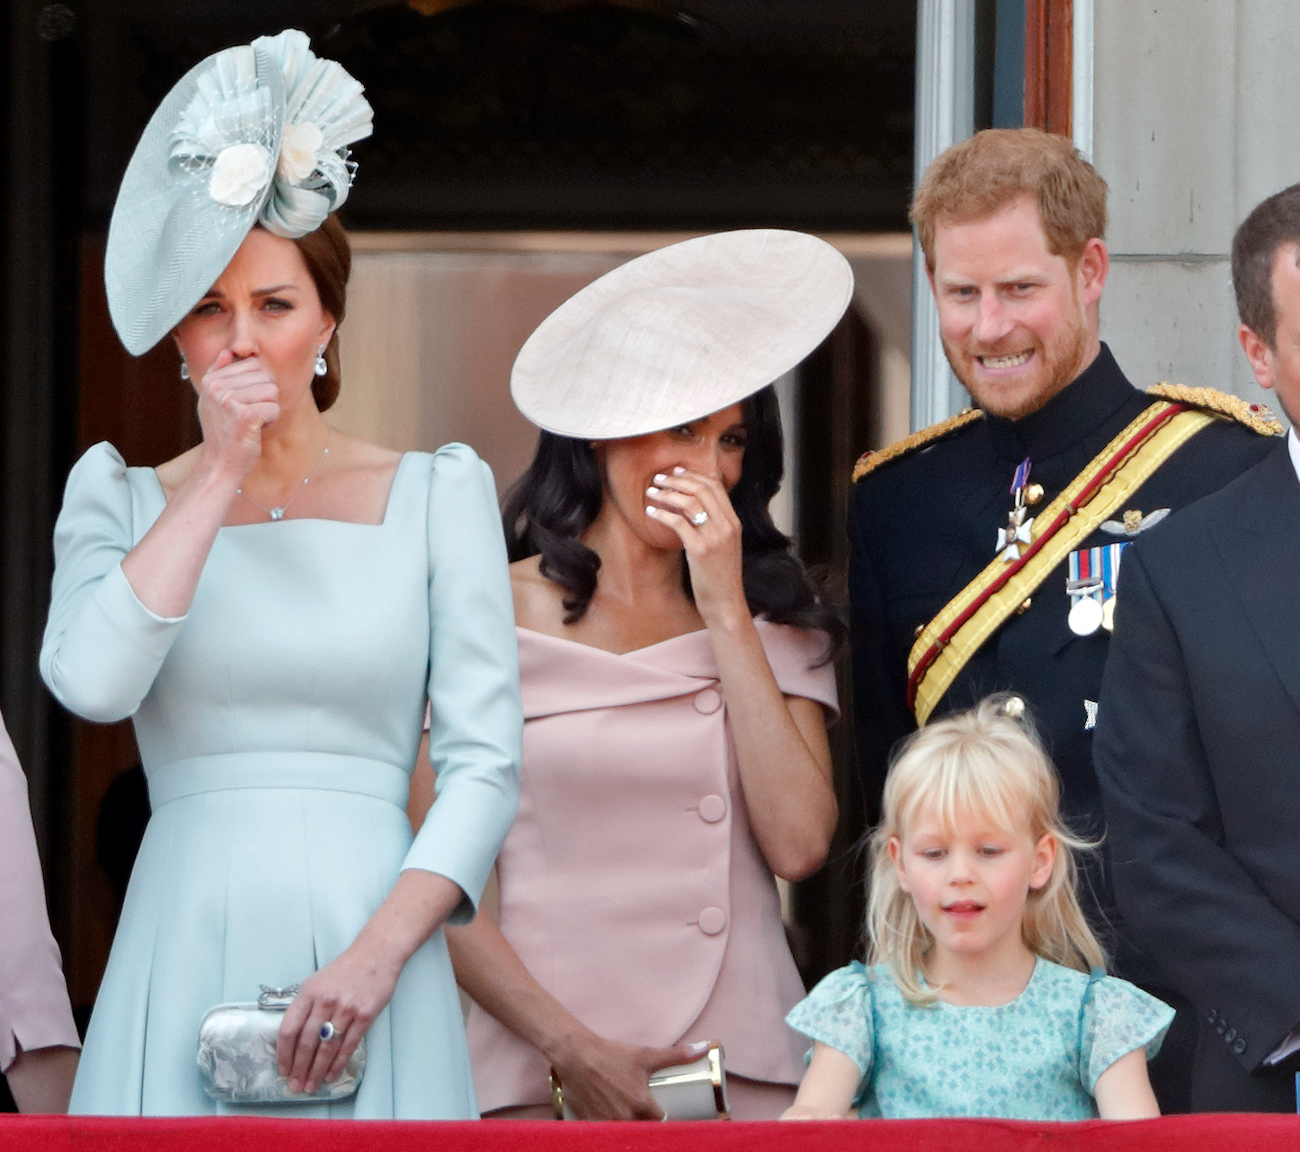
1260, 551
558, 675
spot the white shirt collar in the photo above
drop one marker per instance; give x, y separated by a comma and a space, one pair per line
1293, 447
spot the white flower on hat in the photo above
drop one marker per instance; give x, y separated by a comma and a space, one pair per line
325, 111
298, 148
239, 173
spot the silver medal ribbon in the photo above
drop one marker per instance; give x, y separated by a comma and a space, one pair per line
1093, 573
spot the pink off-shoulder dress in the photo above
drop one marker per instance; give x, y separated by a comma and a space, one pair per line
631, 885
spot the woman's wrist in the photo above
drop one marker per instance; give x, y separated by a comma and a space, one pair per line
732, 620
415, 909
379, 953
564, 1041
215, 472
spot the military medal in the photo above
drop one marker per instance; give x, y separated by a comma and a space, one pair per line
1017, 531
1084, 588
1091, 587
1110, 557
1085, 615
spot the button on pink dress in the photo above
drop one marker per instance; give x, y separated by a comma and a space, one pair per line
631, 885
34, 1011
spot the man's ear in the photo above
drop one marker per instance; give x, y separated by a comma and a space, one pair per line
1258, 354
1094, 266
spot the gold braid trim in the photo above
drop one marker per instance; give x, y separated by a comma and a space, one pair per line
967, 621
869, 461
1257, 417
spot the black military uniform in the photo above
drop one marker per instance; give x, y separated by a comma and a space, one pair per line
924, 524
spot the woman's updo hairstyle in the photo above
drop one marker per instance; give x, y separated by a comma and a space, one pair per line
328, 257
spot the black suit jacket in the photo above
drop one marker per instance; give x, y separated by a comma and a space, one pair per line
1198, 753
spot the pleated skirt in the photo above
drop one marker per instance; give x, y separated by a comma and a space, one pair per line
258, 869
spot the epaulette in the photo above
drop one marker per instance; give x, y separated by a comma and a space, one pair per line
871, 460
1257, 417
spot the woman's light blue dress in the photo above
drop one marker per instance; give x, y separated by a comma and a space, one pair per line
278, 723
1036, 1058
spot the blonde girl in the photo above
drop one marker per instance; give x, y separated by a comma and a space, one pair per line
986, 993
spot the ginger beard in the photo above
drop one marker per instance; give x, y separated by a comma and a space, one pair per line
1022, 372
1017, 320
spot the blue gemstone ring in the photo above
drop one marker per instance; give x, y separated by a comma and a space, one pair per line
328, 1032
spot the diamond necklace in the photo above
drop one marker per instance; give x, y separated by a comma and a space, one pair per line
277, 513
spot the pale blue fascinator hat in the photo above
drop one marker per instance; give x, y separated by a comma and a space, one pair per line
256, 134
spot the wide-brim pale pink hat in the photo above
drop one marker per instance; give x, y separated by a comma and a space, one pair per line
680, 332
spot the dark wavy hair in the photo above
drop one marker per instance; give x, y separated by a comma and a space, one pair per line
552, 504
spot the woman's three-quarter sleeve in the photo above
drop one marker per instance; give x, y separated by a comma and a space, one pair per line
476, 730
102, 647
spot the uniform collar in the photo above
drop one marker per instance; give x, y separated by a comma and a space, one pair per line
1096, 395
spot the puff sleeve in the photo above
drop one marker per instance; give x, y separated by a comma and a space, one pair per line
1118, 1018
476, 726
838, 1013
102, 647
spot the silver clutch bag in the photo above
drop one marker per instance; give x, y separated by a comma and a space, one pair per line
237, 1061
694, 1091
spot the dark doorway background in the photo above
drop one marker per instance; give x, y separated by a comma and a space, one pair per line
538, 114
645, 114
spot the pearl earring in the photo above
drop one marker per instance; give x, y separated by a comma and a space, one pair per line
321, 367
185, 370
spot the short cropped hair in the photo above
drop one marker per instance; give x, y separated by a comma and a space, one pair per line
1272, 223
975, 178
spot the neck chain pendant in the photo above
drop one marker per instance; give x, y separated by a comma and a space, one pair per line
1017, 531
277, 513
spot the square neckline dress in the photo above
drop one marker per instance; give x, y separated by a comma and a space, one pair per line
278, 722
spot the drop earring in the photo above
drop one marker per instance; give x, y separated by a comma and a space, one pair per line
185, 370
321, 367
